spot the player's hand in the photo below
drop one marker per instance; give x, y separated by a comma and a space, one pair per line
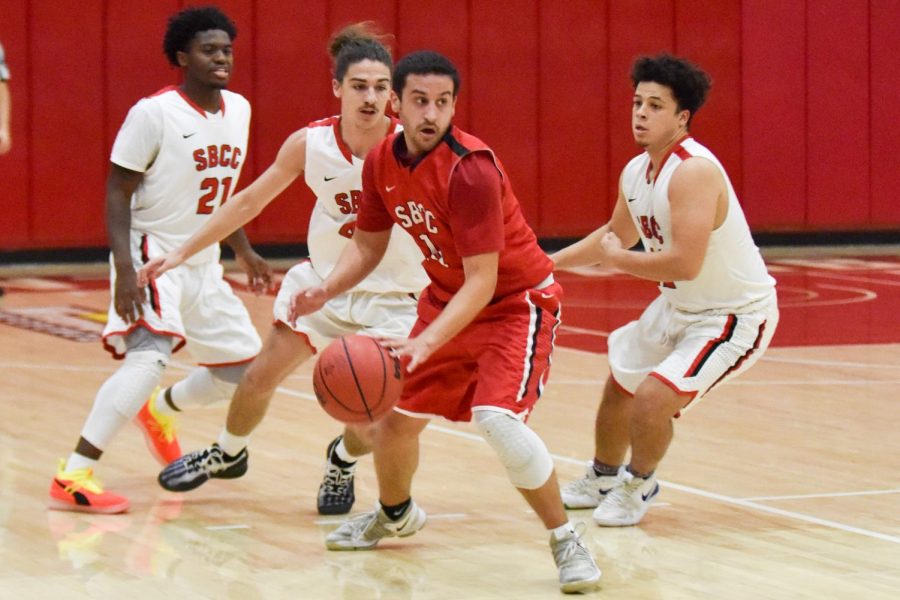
5, 141
417, 349
129, 297
610, 243
304, 302
259, 273
155, 267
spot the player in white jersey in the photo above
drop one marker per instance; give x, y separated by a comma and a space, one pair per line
716, 311
175, 160
330, 155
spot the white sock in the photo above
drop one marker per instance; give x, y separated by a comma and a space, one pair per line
198, 389
77, 461
161, 406
232, 444
563, 531
342, 453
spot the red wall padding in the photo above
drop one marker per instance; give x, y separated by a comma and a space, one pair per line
800, 111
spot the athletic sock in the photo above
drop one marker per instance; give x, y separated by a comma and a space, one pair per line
232, 444
395, 512
604, 470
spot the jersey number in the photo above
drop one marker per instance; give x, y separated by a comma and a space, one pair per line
347, 228
210, 185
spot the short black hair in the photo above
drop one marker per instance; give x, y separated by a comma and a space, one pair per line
184, 25
424, 62
688, 82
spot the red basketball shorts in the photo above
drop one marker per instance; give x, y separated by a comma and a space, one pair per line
500, 361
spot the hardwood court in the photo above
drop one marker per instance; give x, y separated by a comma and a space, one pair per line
781, 484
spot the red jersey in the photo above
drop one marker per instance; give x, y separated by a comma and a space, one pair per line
417, 197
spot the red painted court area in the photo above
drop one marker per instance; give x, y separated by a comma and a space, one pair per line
823, 301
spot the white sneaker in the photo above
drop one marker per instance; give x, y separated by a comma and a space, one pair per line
627, 504
590, 490
577, 569
365, 531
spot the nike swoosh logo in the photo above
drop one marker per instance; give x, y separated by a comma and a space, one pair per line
546, 296
389, 188
330, 178
187, 135
652, 493
632, 199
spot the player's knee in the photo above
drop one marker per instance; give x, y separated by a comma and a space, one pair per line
144, 340
522, 453
139, 374
655, 400
226, 379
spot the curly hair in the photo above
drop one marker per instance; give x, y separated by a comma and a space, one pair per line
358, 42
688, 82
184, 25
424, 62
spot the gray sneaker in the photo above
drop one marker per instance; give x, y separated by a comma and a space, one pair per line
363, 532
590, 490
627, 504
577, 570
194, 469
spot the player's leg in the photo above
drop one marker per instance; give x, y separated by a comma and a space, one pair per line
524, 331
634, 350
281, 353
396, 452
387, 315
117, 402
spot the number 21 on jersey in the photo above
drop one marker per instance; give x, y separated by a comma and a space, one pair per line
210, 191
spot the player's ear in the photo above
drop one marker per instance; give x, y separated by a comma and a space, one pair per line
336, 88
182, 58
395, 102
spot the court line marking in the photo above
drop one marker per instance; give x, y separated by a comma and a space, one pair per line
226, 527
831, 495
823, 363
857, 279
742, 502
431, 517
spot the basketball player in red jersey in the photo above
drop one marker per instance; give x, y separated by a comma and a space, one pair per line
491, 310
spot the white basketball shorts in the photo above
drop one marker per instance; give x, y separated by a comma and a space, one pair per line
390, 315
690, 352
193, 304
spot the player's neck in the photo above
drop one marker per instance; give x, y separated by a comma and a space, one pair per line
206, 97
659, 153
361, 140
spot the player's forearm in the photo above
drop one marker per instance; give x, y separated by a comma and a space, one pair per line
357, 260
237, 241
582, 253
118, 228
462, 309
5, 107
667, 265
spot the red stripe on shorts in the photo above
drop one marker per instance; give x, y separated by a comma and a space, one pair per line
711, 347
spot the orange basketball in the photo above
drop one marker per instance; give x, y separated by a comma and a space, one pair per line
356, 380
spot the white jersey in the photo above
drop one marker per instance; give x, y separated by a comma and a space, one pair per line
733, 275
335, 177
191, 160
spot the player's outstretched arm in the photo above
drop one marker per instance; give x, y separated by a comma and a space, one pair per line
357, 260
128, 296
240, 209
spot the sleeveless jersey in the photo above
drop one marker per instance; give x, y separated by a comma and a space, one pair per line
191, 161
416, 197
335, 177
733, 274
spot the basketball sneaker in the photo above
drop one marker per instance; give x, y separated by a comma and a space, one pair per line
336, 495
590, 490
194, 469
627, 504
577, 570
80, 491
159, 431
363, 532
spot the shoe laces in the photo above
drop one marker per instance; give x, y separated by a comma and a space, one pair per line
78, 479
566, 549
211, 460
337, 480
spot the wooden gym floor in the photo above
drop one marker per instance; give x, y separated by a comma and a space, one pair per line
782, 484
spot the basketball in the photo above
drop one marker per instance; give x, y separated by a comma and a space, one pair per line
356, 380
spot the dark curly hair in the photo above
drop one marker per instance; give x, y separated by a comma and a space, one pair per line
183, 26
424, 62
688, 82
355, 43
